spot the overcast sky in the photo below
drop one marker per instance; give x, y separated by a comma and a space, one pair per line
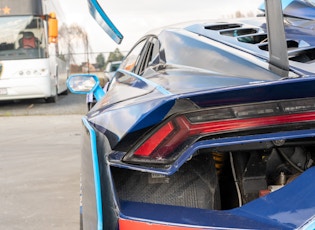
134, 18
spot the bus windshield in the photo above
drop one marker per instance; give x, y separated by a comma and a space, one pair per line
22, 37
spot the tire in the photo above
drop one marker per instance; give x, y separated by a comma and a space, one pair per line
194, 185
52, 99
81, 222
90, 105
66, 92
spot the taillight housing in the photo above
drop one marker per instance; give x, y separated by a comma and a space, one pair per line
165, 143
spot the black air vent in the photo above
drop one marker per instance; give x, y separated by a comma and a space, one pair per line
290, 44
298, 51
246, 35
305, 56
239, 32
223, 26
254, 39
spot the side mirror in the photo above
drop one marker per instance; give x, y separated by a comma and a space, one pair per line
52, 28
85, 84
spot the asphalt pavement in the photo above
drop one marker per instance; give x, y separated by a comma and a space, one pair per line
66, 104
40, 164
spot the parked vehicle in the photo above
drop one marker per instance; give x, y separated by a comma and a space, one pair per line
30, 66
111, 69
109, 72
206, 125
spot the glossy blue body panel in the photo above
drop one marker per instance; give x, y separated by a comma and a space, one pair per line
144, 111
288, 208
96, 176
227, 72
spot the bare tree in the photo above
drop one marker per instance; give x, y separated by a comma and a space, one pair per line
74, 39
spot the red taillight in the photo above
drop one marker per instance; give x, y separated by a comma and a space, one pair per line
148, 147
241, 124
164, 140
182, 130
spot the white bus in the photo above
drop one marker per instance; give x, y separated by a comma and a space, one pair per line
30, 64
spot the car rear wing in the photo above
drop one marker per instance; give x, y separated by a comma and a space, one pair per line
278, 52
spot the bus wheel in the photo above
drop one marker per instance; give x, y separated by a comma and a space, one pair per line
66, 92
52, 99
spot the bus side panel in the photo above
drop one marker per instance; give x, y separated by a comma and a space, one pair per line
23, 79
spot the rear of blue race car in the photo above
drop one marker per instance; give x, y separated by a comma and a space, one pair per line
226, 159
238, 155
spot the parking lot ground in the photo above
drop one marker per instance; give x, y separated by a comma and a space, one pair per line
66, 104
40, 172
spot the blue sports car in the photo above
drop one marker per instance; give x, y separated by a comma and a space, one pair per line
206, 125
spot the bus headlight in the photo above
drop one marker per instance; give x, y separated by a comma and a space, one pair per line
32, 73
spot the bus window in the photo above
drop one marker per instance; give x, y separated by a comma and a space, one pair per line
23, 37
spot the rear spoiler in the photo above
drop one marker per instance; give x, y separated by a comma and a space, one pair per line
278, 51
